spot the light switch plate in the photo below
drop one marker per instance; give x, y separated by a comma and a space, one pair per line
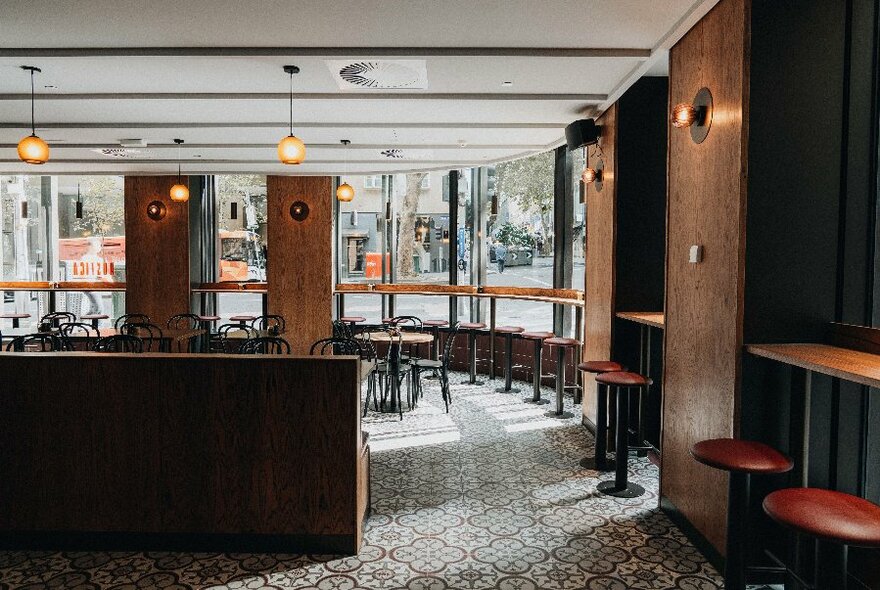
696, 254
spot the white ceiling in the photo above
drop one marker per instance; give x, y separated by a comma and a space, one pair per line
210, 72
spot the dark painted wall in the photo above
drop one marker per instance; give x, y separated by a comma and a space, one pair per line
811, 223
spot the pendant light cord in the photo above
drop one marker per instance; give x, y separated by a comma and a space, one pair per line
291, 103
33, 125
178, 163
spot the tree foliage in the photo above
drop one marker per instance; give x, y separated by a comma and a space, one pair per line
244, 189
512, 235
529, 183
103, 207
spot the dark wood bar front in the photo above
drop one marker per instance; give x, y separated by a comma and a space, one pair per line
182, 451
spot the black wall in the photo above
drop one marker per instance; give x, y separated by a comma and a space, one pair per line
811, 223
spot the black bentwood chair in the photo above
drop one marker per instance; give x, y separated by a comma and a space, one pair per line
274, 324
230, 344
67, 332
151, 334
335, 346
35, 343
56, 318
183, 321
119, 343
265, 345
137, 318
421, 365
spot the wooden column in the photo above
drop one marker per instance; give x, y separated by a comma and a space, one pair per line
600, 259
156, 252
300, 266
706, 207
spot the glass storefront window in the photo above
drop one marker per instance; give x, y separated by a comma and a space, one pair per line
44, 240
241, 240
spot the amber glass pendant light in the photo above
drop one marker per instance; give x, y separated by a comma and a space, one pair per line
345, 192
32, 149
179, 192
291, 149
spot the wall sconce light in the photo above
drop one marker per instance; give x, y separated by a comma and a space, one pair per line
594, 175
299, 211
156, 210
696, 115
79, 203
233, 210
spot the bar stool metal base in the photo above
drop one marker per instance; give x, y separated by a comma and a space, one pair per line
539, 402
511, 390
562, 416
609, 488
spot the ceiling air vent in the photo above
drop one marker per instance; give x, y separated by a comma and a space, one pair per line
119, 152
393, 153
381, 74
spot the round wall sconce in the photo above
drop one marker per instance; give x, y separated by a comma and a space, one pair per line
593, 175
156, 210
697, 115
299, 211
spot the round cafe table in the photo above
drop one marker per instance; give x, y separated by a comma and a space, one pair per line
394, 366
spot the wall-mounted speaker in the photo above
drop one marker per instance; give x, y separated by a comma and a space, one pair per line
580, 133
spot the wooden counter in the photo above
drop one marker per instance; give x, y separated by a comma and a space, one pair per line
655, 319
181, 451
843, 363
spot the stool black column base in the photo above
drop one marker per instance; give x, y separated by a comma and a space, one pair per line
537, 402
562, 416
590, 463
511, 390
609, 488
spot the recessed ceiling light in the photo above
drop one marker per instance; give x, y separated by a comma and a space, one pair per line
507, 83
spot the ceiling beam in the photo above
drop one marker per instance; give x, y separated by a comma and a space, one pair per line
543, 96
327, 146
284, 125
355, 52
237, 161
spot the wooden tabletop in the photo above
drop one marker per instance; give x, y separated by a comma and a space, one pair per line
406, 337
655, 319
245, 334
843, 363
173, 335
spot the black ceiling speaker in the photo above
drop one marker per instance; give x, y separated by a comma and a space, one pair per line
582, 132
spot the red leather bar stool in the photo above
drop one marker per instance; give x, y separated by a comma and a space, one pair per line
600, 461
508, 332
94, 318
538, 339
742, 459
242, 320
15, 317
622, 383
473, 328
561, 344
835, 520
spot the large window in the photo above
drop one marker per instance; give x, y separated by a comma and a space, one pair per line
44, 239
241, 240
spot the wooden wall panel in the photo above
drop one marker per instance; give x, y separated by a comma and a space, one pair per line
600, 260
156, 252
249, 446
706, 206
300, 258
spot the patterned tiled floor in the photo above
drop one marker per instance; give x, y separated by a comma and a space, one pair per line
488, 496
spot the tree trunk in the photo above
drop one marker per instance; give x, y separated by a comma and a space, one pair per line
407, 225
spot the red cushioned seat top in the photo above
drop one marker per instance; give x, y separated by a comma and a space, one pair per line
209, 318
746, 456
388, 320
242, 318
472, 325
600, 367
353, 319
623, 379
537, 335
559, 341
825, 514
15, 316
95, 316
509, 329
435, 323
